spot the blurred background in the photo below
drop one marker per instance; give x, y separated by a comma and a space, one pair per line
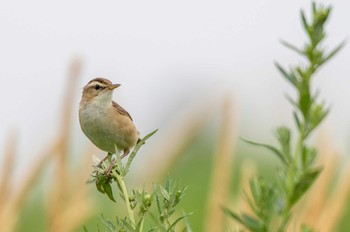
188, 68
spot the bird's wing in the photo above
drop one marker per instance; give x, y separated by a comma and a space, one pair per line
121, 110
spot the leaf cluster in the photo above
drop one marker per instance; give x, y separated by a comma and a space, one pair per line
161, 215
138, 202
167, 198
272, 202
103, 173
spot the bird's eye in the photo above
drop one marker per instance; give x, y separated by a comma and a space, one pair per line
97, 87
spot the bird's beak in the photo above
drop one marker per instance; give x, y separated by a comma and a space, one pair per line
111, 87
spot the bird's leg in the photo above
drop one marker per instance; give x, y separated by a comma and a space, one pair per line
108, 156
109, 169
111, 165
125, 153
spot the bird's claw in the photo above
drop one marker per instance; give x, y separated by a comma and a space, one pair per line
110, 168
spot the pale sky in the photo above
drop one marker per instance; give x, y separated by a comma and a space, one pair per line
163, 53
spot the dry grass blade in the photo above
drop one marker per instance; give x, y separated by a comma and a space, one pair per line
14, 205
314, 202
248, 170
320, 209
65, 215
222, 168
336, 204
78, 205
60, 193
7, 168
6, 223
175, 139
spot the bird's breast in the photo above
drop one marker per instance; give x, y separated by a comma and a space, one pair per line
106, 128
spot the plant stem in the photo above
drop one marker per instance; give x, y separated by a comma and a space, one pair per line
141, 226
121, 182
136, 149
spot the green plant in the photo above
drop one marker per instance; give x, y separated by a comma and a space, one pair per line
137, 202
272, 202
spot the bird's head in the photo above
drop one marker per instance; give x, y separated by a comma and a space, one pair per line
99, 89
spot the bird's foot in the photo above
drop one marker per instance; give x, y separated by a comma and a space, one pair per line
126, 153
108, 156
110, 168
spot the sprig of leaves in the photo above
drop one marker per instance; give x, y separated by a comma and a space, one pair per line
167, 198
138, 202
103, 174
161, 214
272, 202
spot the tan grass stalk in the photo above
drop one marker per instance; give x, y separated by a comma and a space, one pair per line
65, 215
184, 128
336, 205
310, 209
19, 196
78, 205
59, 194
222, 169
248, 170
7, 169
322, 210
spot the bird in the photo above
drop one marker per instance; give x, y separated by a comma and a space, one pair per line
106, 124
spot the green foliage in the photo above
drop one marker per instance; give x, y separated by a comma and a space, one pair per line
272, 203
137, 202
167, 199
102, 171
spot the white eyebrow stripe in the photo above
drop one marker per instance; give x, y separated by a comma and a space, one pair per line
97, 83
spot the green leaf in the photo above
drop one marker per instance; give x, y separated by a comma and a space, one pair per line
305, 228
136, 149
252, 223
168, 184
233, 215
304, 183
251, 202
317, 114
85, 229
157, 200
333, 53
99, 186
292, 47
285, 223
290, 77
269, 147
108, 189
130, 227
314, 9
172, 226
187, 223
305, 23
283, 135
255, 188
291, 101
305, 99
164, 192
297, 120
308, 156
246, 220
110, 226
179, 194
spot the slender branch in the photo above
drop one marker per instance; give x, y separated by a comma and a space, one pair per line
121, 183
136, 149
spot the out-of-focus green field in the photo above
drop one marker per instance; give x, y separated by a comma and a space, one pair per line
193, 169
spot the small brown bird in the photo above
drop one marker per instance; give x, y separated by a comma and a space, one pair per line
103, 121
